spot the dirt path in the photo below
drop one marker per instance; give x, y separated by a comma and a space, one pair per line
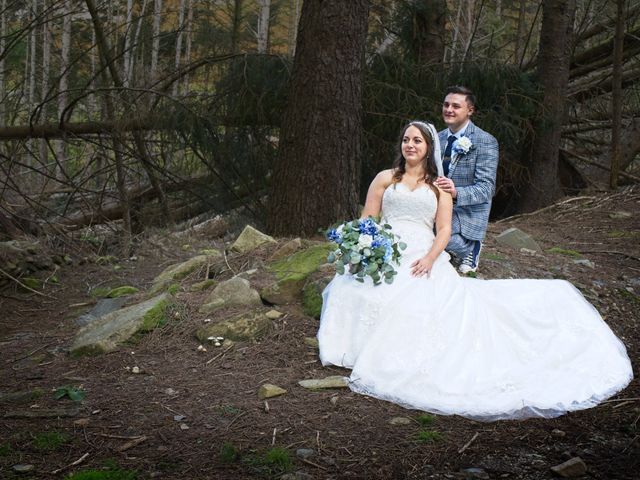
195, 415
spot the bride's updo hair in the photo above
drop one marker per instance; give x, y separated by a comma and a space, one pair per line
428, 163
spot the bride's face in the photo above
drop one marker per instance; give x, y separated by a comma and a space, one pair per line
414, 146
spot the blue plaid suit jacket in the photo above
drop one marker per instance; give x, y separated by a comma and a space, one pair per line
474, 175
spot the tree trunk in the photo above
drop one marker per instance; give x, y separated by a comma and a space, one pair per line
543, 186
155, 48
429, 30
3, 35
294, 19
128, 34
616, 95
520, 32
187, 53
263, 25
316, 174
235, 25
63, 83
44, 85
179, 43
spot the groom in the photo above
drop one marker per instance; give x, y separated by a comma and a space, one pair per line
470, 161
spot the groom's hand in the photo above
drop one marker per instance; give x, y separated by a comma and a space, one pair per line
447, 185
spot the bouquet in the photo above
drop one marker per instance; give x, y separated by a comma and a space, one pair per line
365, 247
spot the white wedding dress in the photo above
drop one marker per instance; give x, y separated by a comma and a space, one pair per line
484, 349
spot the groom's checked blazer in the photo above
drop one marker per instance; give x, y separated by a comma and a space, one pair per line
474, 176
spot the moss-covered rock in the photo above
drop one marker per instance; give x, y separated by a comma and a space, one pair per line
31, 282
203, 285
181, 270
250, 325
286, 249
291, 273
250, 239
312, 300
107, 332
236, 291
122, 291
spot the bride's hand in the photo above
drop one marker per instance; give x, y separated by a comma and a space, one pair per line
422, 267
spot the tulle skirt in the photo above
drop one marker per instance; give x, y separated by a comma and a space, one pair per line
484, 349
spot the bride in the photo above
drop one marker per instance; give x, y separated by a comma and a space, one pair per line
434, 341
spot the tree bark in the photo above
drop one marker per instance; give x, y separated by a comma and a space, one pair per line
3, 44
155, 48
429, 25
616, 95
128, 34
316, 174
543, 185
294, 19
63, 82
235, 25
178, 55
263, 25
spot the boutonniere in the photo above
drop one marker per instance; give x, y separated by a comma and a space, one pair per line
461, 146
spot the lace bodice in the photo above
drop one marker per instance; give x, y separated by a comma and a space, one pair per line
401, 204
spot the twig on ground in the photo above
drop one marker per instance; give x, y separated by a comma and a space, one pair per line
131, 443
23, 285
72, 464
30, 353
549, 207
612, 252
314, 464
221, 354
466, 445
613, 400
224, 252
234, 419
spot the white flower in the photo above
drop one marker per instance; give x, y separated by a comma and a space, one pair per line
461, 145
365, 241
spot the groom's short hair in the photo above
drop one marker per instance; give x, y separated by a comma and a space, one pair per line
459, 89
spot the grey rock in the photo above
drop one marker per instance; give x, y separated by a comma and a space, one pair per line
558, 433
400, 421
269, 391
246, 326
516, 238
305, 453
311, 342
181, 270
23, 468
107, 332
473, 472
620, 214
299, 475
250, 239
101, 308
585, 262
574, 467
335, 381
287, 249
236, 291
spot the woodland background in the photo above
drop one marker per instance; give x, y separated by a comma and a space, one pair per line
134, 113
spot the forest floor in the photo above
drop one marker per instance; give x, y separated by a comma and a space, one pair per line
196, 415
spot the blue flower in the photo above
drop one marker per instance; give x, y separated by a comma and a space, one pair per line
334, 236
368, 227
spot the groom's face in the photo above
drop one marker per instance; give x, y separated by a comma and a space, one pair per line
456, 111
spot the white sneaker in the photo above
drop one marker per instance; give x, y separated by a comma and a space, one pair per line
471, 261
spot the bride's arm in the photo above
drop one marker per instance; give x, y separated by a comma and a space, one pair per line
373, 204
443, 233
